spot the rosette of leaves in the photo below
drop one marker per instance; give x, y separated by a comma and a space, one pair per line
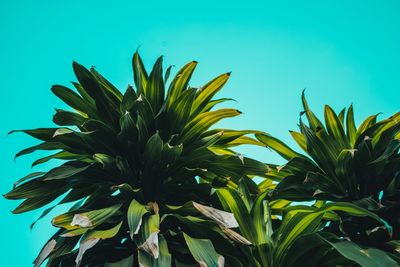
129, 163
343, 162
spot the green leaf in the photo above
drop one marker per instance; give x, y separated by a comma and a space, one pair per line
38, 202
312, 119
63, 155
135, 214
335, 127
154, 90
207, 92
28, 177
204, 121
351, 126
128, 100
277, 145
164, 258
232, 202
178, 114
127, 262
63, 172
92, 88
139, 73
73, 100
365, 257
67, 118
300, 140
153, 149
103, 234
203, 252
89, 219
294, 226
262, 221
42, 146
179, 83
35, 188
105, 160
111, 91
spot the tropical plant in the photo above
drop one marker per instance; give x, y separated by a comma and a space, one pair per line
130, 162
149, 181
360, 165
287, 235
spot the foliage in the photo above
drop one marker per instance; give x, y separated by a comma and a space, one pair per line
360, 165
150, 181
127, 159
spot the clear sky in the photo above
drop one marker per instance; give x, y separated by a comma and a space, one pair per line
343, 52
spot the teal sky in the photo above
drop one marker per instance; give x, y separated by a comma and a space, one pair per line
343, 52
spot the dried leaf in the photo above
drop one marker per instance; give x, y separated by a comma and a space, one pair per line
223, 218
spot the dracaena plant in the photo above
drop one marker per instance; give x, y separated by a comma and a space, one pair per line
343, 162
278, 234
132, 165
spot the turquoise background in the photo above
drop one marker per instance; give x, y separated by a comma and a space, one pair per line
342, 51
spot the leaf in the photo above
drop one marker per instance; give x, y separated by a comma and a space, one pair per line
139, 73
153, 149
294, 226
207, 92
28, 177
44, 134
63, 172
127, 262
72, 99
179, 83
66, 118
63, 155
300, 140
341, 116
41, 146
223, 218
35, 188
45, 252
103, 234
135, 214
204, 121
203, 252
312, 119
38, 202
277, 145
351, 126
111, 91
148, 235
83, 247
365, 257
179, 113
335, 127
92, 88
236, 237
89, 219
262, 221
232, 201
105, 160
154, 90
128, 101
164, 258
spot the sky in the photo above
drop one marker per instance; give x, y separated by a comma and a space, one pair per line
342, 52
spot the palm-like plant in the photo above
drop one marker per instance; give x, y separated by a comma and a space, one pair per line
134, 165
283, 235
345, 163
